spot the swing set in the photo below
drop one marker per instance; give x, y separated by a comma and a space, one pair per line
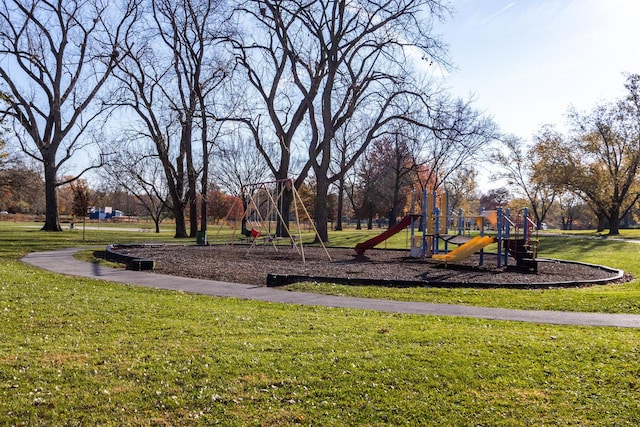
264, 216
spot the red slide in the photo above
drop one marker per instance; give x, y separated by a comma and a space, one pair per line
363, 246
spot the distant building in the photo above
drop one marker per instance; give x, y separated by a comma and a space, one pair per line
104, 213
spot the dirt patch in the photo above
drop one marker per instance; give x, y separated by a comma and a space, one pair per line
241, 264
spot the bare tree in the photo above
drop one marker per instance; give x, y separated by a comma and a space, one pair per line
458, 135
237, 166
142, 77
274, 109
141, 174
570, 205
523, 172
366, 74
190, 30
345, 141
360, 189
168, 80
336, 58
58, 56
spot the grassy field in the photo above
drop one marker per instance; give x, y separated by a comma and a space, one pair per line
86, 352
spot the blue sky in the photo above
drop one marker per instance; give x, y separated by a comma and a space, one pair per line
526, 62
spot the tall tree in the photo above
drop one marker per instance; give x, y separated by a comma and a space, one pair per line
167, 79
607, 159
600, 158
190, 31
524, 171
142, 90
58, 56
361, 47
334, 59
273, 110
394, 163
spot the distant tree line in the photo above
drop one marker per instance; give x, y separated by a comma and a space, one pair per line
594, 166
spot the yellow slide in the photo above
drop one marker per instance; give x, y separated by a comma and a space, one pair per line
466, 250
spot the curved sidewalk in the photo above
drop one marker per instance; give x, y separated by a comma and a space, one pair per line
62, 261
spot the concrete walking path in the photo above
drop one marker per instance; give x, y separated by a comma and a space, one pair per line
62, 261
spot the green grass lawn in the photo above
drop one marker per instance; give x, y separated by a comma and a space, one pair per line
85, 352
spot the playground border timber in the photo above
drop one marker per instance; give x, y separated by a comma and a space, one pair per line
275, 280
281, 279
62, 261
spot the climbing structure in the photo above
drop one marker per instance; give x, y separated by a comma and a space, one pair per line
435, 228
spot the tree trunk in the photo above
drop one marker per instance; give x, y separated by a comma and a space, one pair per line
181, 227
392, 217
176, 192
282, 225
203, 209
204, 185
204, 181
192, 178
393, 213
321, 217
243, 221
614, 221
340, 205
52, 218
193, 208
602, 220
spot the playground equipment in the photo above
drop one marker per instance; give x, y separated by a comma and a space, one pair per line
430, 237
523, 248
465, 250
369, 244
264, 216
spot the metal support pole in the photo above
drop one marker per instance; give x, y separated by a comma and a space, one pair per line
424, 224
436, 232
500, 242
507, 235
526, 231
482, 234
